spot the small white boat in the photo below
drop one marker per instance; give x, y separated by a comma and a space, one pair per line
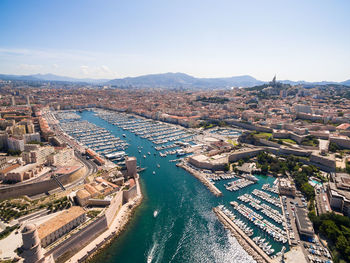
149, 259
154, 172
158, 165
144, 156
155, 213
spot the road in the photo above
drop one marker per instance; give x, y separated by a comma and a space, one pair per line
91, 169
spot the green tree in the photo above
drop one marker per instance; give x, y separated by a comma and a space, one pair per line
308, 190
333, 147
330, 229
341, 243
264, 168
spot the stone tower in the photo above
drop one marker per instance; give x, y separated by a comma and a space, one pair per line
131, 166
31, 245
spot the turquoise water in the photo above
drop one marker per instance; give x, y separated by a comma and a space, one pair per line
186, 229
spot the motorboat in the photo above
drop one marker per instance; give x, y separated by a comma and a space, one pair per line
155, 213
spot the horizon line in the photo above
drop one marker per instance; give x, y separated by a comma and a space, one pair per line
169, 72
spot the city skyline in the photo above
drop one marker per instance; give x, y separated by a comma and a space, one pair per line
293, 39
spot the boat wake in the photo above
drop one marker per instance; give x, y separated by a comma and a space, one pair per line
160, 238
151, 252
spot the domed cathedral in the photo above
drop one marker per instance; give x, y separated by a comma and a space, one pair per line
31, 249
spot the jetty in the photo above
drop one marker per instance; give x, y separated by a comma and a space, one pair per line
201, 178
249, 246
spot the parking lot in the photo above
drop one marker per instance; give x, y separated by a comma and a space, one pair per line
313, 251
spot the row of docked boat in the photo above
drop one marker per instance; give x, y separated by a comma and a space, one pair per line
238, 184
264, 245
263, 208
164, 147
267, 197
269, 188
248, 198
96, 138
227, 212
220, 176
272, 213
261, 242
243, 226
168, 138
249, 177
277, 233
155, 131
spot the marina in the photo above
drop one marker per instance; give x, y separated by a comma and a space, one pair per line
93, 137
164, 136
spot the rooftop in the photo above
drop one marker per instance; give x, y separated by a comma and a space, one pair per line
59, 221
303, 219
67, 169
24, 168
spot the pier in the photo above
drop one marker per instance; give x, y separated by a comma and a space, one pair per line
256, 252
201, 178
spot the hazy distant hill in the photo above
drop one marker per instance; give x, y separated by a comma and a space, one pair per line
346, 82
302, 82
167, 80
177, 80
49, 77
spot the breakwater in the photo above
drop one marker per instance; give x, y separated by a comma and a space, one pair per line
201, 178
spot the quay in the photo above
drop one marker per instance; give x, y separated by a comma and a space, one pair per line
201, 178
249, 246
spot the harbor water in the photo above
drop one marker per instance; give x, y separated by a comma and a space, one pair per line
185, 228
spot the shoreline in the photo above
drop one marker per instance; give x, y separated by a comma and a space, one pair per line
212, 188
246, 243
104, 240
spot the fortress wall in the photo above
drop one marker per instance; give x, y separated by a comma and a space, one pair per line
114, 207
269, 143
30, 189
130, 194
249, 126
243, 154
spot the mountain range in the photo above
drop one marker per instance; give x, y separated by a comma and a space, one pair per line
50, 77
166, 80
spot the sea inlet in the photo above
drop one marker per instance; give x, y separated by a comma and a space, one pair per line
186, 228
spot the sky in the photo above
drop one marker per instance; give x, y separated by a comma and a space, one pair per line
294, 39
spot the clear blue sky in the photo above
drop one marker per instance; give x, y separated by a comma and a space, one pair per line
298, 40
